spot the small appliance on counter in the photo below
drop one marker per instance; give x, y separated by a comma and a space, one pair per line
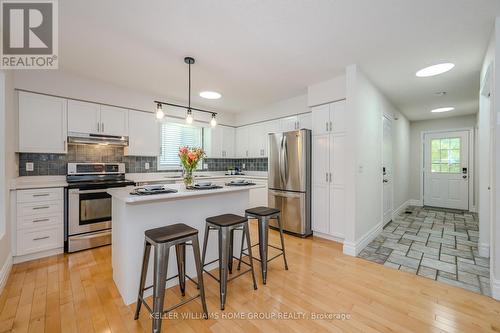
88, 222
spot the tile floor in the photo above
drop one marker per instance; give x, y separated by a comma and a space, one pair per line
434, 243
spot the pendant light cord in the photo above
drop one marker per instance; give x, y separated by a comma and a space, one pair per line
189, 87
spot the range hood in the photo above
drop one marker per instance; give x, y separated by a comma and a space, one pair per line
97, 139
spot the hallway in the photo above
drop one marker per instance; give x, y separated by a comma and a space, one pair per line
434, 243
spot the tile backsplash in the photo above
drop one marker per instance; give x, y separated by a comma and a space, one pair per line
55, 164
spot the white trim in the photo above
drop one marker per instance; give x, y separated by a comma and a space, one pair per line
401, 208
353, 248
37, 255
329, 237
415, 202
484, 250
5, 271
495, 288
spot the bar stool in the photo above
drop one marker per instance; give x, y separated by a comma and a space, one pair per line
162, 239
225, 225
263, 215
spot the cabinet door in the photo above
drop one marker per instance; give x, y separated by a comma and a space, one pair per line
83, 117
320, 184
242, 142
42, 124
305, 121
144, 136
338, 117
321, 119
337, 185
227, 140
114, 121
289, 124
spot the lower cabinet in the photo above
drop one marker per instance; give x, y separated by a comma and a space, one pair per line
40, 220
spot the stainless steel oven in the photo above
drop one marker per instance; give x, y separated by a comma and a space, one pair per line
89, 204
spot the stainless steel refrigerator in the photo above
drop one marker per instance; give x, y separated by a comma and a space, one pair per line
290, 179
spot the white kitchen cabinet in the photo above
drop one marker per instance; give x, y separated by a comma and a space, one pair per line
242, 147
227, 148
288, 123
42, 123
220, 142
84, 117
143, 134
328, 186
114, 121
304, 121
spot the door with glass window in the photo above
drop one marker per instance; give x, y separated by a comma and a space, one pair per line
446, 170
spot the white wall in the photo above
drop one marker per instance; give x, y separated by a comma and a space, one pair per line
365, 106
416, 129
65, 84
287, 107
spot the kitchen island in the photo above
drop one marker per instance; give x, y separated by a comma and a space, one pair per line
133, 214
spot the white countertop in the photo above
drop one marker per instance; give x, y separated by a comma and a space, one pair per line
172, 177
123, 193
33, 182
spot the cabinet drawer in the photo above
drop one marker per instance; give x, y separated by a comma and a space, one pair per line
39, 221
29, 241
42, 194
39, 208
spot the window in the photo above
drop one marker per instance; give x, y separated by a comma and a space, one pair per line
445, 155
173, 136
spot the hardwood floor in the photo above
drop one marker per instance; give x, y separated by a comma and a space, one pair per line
76, 293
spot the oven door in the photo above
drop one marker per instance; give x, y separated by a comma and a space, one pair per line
88, 211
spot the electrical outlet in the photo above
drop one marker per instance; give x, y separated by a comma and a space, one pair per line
146, 165
30, 166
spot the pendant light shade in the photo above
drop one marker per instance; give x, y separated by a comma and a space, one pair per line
213, 122
159, 111
189, 116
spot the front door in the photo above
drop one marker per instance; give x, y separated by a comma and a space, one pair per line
446, 170
387, 201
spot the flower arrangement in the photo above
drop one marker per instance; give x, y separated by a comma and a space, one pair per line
189, 159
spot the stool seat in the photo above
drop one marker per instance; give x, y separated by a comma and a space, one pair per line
226, 220
170, 233
262, 211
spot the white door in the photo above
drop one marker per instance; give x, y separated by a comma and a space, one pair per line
446, 168
84, 117
114, 121
321, 119
337, 184
321, 183
387, 199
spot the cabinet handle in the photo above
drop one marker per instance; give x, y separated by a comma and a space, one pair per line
327, 177
40, 238
41, 220
331, 126
330, 177
102, 127
41, 195
41, 207
98, 126
326, 126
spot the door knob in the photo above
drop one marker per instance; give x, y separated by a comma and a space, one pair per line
385, 181
464, 177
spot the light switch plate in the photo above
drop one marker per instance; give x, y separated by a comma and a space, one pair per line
30, 166
146, 165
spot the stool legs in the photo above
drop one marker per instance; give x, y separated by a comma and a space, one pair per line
199, 273
205, 243
180, 252
263, 226
142, 284
282, 240
159, 278
246, 231
230, 258
224, 238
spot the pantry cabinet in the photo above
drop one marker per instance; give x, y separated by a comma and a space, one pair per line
42, 124
328, 184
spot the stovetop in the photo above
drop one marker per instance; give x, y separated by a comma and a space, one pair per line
99, 184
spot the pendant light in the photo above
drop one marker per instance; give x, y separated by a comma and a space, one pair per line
189, 113
159, 112
213, 122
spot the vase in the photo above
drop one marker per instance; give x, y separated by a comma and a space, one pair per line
188, 178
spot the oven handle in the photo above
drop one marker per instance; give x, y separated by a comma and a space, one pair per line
77, 191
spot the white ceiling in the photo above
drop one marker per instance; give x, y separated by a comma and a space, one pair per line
259, 52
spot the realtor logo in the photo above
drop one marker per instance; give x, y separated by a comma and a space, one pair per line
29, 36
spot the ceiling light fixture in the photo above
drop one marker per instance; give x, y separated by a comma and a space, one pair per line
210, 95
445, 109
159, 111
189, 112
435, 70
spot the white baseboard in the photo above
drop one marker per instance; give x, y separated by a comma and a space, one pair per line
495, 288
334, 238
37, 255
353, 248
484, 250
5, 271
415, 202
401, 208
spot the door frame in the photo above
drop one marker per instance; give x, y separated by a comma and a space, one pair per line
391, 119
472, 162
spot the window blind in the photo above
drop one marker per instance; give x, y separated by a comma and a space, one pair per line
173, 136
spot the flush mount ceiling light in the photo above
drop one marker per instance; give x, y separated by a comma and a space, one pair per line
435, 70
210, 95
189, 110
445, 109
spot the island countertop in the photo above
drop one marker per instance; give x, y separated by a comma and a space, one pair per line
123, 193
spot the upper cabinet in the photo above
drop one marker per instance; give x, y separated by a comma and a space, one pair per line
92, 118
220, 141
242, 148
329, 118
42, 124
304, 121
144, 139
293, 123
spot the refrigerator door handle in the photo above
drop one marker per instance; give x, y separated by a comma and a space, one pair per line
285, 160
281, 161
285, 194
